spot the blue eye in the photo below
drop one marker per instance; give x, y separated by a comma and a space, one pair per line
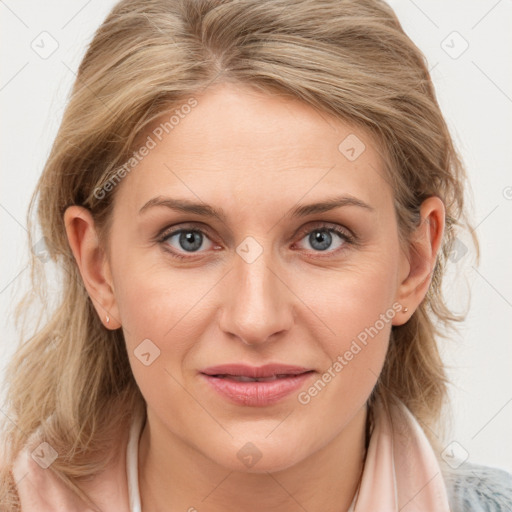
188, 240
321, 238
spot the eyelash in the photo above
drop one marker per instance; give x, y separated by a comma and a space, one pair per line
332, 228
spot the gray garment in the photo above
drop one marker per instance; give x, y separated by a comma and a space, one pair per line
476, 488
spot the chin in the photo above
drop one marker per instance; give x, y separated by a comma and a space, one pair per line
259, 457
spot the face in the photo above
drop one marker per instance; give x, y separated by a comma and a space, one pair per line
263, 282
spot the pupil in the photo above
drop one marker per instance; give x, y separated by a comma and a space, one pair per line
190, 237
320, 240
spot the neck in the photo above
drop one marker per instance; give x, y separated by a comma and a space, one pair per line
174, 476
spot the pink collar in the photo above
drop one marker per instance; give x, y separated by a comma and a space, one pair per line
401, 473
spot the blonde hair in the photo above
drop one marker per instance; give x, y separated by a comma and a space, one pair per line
349, 58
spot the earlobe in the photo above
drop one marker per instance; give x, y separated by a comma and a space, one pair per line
424, 246
92, 263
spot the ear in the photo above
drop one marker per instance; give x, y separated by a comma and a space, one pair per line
419, 262
92, 263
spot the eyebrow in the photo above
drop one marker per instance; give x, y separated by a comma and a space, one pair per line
187, 206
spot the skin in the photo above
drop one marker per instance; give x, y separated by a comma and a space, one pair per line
256, 157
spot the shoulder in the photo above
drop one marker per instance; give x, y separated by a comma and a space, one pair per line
476, 488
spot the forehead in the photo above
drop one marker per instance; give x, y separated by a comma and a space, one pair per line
245, 147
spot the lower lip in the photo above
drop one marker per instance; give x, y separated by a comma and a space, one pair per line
257, 393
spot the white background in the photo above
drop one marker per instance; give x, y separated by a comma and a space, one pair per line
475, 93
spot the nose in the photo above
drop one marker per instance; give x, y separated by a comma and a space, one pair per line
257, 304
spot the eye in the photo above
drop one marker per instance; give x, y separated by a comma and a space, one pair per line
323, 238
185, 240
327, 238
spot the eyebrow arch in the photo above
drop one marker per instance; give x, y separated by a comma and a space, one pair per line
187, 206
329, 204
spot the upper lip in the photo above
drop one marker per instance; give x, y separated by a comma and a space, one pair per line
268, 370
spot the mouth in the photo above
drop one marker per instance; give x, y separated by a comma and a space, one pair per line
258, 373
256, 386
244, 378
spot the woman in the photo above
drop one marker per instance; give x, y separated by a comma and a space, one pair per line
253, 203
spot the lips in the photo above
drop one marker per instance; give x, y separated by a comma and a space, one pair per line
256, 386
255, 372
243, 378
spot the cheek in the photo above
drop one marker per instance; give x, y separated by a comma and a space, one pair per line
150, 294
168, 306
157, 313
159, 306
351, 298
357, 307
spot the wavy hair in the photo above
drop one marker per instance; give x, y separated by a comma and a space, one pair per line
70, 379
